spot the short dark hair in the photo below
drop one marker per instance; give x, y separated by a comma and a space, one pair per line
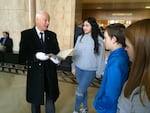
6, 32
117, 30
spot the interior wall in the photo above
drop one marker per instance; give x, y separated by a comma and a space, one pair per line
62, 17
17, 15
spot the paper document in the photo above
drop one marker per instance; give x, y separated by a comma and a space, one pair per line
62, 55
2, 47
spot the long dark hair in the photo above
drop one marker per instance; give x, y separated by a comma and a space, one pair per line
95, 32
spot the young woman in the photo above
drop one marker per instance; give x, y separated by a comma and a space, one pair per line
135, 97
88, 61
116, 71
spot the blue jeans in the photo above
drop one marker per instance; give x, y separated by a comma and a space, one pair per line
84, 78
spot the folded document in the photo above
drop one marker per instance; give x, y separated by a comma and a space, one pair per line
62, 55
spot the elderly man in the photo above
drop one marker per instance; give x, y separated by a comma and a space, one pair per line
42, 73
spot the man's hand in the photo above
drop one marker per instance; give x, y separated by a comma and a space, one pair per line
41, 56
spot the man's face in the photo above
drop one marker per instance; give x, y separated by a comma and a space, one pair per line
42, 21
5, 35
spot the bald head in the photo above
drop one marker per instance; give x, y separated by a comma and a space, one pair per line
42, 20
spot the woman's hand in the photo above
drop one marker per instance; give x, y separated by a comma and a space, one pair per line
73, 72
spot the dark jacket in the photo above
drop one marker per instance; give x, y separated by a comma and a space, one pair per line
8, 44
41, 75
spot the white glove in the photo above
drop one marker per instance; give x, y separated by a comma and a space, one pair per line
41, 56
55, 60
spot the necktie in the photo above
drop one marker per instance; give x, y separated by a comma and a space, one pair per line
41, 39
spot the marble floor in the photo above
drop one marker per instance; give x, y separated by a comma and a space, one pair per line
12, 94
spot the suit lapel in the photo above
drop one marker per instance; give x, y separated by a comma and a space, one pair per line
36, 37
37, 40
46, 36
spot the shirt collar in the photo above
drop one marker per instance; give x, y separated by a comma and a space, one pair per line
38, 31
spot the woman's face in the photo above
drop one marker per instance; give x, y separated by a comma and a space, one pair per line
87, 28
130, 50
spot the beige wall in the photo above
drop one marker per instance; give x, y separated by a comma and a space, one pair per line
14, 18
62, 13
17, 15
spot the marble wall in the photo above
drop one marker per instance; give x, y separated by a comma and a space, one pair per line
17, 15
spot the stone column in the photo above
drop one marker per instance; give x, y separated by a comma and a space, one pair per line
62, 17
16, 15
32, 12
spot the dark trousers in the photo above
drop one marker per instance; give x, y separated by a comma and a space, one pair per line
49, 107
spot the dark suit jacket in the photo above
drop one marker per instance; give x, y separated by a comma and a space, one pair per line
8, 44
41, 75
